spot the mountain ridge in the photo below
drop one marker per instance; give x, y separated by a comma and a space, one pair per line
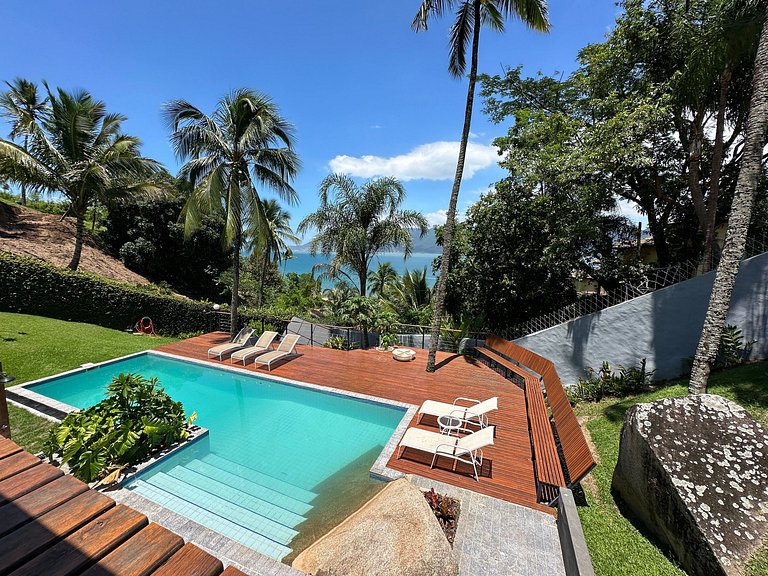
421, 245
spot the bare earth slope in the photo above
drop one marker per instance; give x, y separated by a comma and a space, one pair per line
31, 233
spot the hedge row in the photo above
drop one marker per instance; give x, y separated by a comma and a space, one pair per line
30, 286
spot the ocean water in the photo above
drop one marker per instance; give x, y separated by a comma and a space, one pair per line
302, 263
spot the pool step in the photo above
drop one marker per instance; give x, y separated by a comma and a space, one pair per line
249, 486
235, 489
219, 521
260, 478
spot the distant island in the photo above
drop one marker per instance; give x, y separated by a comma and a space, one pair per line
421, 245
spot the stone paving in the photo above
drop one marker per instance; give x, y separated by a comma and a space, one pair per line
500, 538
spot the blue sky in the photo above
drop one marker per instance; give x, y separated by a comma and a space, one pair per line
367, 95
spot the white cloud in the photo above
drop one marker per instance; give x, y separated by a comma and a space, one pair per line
436, 218
376, 126
629, 210
433, 161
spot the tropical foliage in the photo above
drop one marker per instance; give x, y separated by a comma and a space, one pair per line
354, 223
77, 149
135, 419
245, 146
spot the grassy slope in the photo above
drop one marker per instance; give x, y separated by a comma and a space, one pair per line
617, 547
32, 347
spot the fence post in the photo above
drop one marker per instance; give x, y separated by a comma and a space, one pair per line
311, 333
348, 344
423, 338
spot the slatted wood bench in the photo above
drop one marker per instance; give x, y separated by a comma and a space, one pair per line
577, 460
491, 354
53, 524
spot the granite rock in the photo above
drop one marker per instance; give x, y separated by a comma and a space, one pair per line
694, 472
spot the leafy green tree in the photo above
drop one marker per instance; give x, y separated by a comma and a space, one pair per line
354, 223
78, 149
411, 297
471, 15
23, 105
381, 279
334, 299
243, 146
363, 312
736, 236
269, 239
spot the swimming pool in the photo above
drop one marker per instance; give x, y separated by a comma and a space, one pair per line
277, 456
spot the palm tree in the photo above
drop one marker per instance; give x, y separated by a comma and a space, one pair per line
270, 238
411, 296
358, 223
244, 143
22, 105
77, 149
465, 32
738, 222
381, 279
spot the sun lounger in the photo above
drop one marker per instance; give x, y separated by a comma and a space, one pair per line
475, 413
467, 449
238, 342
261, 347
284, 349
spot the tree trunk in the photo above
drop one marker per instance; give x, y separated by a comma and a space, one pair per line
233, 318
738, 224
714, 179
694, 169
24, 186
79, 229
363, 276
450, 222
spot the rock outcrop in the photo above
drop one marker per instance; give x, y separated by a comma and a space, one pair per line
393, 534
694, 472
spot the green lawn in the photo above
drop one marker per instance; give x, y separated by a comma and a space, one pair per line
32, 347
616, 546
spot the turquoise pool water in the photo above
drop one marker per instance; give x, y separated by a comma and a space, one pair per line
275, 457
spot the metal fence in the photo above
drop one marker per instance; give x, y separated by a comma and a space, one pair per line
652, 280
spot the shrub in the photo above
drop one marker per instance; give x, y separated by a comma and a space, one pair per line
733, 350
607, 382
446, 510
135, 419
31, 286
339, 343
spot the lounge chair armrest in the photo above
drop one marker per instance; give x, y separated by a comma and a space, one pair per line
472, 400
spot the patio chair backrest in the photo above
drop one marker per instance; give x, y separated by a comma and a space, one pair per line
485, 406
266, 339
242, 336
479, 439
288, 343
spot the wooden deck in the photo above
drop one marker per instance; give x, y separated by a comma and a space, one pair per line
52, 524
507, 471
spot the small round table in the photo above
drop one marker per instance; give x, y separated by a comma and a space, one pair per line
449, 424
404, 354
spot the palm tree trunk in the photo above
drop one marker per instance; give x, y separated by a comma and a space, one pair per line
79, 230
738, 223
363, 276
450, 221
233, 317
24, 186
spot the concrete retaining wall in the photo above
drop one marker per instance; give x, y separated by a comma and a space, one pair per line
663, 327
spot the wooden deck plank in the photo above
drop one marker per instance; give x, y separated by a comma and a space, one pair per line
86, 545
140, 555
27, 481
507, 472
190, 561
8, 447
38, 502
17, 463
232, 571
34, 537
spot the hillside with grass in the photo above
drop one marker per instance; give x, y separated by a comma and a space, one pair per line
50, 238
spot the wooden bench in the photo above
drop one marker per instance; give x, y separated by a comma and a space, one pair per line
577, 460
504, 363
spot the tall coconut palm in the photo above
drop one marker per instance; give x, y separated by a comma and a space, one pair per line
244, 145
738, 221
464, 34
358, 222
77, 149
23, 105
269, 239
381, 279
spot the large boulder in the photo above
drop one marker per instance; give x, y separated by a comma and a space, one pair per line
393, 534
694, 472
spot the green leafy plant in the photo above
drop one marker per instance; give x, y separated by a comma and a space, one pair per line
609, 382
135, 419
733, 349
388, 339
339, 343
